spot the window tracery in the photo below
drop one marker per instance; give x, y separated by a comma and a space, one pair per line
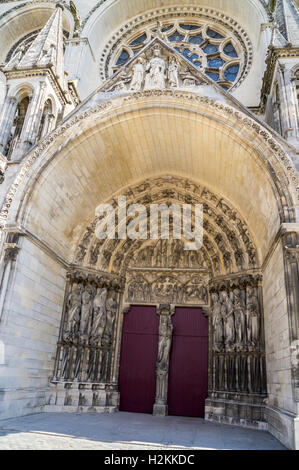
208, 46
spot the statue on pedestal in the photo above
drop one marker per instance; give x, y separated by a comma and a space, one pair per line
162, 365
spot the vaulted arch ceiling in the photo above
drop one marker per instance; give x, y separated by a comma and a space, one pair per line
114, 144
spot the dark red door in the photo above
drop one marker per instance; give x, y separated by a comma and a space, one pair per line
137, 376
188, 369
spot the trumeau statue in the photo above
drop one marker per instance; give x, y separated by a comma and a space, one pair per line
162, 365
165, 340
156, 72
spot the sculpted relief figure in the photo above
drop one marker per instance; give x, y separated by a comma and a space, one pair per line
73, 313
99, 316
138, 75
111, 309
227, 313
253, 317
86, 313
239, 311
155, 77
173, 68
217, 323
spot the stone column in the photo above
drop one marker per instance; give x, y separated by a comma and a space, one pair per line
165, 311
11, 250
290, 241
48, 125
288, 106
6, 120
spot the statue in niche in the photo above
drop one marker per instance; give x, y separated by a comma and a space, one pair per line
86, 313
138, 75
227, 313
253, 317
156, 67
99, 317
176, 253
218, 326
94, 254
73, 313
173, 68
239, 312
80, 254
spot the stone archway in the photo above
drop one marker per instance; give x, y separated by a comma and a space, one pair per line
245, 177
223, 278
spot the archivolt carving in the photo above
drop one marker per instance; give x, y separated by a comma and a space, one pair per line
227, 243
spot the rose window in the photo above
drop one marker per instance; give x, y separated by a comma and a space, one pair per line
209, 48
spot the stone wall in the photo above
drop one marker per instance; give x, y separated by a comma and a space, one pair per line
281, 406
29, 329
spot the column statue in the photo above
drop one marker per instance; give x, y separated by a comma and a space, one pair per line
162, 365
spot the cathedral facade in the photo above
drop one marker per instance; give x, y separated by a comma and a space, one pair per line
150, 102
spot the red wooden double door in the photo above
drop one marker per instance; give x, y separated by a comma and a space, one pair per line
188, 368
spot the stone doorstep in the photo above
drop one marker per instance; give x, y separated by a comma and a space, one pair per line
79, 409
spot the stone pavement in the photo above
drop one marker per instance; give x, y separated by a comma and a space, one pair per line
127, 431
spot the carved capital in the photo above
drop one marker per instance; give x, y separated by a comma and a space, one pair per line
292, 254
165, 309
10, 252
98, 280
126, 309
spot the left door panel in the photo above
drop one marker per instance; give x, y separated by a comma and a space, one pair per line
137, 374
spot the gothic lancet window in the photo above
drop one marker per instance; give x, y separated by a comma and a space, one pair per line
17, 126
